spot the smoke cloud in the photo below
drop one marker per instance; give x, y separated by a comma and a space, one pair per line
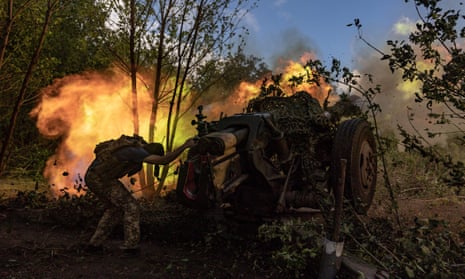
292, 45
397, 101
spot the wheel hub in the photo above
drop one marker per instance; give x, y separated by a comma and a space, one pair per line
367, 165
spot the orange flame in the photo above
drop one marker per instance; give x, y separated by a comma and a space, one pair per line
237, 102
320, 92
83, 110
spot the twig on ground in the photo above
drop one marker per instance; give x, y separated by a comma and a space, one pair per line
376, 241
411, 189
368, 252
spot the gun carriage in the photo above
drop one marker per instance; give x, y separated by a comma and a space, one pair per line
282, 155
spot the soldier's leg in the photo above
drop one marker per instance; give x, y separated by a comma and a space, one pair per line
131, 219
109, 220
102, 189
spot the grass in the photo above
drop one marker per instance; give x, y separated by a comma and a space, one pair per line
424, 245
11, 186
411, 175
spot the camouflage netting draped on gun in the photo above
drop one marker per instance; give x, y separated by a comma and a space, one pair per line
307, 130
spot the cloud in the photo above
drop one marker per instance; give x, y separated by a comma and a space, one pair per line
279, 3
282, 12
251, 21
404, 26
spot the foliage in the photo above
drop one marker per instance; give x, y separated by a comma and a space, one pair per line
68, 48
68, 211
218, 78
299, 244
30, 66
182, 42
426, 249
418, 250
434, 57
25, 165
72, 211
200, 31
413, 175
421, 247
29, 199
76, 41
82, 36
429, 250
455, 175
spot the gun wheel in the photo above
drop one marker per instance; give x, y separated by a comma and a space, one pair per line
355, 142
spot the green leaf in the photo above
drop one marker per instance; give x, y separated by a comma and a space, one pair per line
410, 272
425, 250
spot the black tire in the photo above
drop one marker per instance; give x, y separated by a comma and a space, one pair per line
355, 142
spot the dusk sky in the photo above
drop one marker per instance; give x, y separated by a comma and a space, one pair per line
286, 27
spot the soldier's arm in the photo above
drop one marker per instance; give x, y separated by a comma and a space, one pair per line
169, 156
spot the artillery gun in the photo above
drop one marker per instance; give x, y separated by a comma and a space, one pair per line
282, 155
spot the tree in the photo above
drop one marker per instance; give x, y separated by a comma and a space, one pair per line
228, 72
128, 44
51, 7
77, 39
72, 44
188, 35
433, 56
10, 19
175, 38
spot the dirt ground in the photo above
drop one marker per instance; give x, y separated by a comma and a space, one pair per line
450, 209
36, 243
37, 250
176, 243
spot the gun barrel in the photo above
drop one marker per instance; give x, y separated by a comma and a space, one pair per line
217, 143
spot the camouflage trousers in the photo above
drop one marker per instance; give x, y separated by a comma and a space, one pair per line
119, 203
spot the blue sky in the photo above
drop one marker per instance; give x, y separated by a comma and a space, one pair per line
286, 27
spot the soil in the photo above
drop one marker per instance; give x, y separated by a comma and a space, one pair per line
450, 209
34, 244
49, 242
176, 242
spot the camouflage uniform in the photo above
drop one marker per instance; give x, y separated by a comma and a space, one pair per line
118, 202
102, 178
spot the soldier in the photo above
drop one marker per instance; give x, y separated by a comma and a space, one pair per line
116, 159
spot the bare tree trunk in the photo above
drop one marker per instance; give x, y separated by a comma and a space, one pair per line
8, 25
147, 192
164, 17
186, 72
133, 68
172, 121
6, 32
22, 92
6, 36
189, 26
